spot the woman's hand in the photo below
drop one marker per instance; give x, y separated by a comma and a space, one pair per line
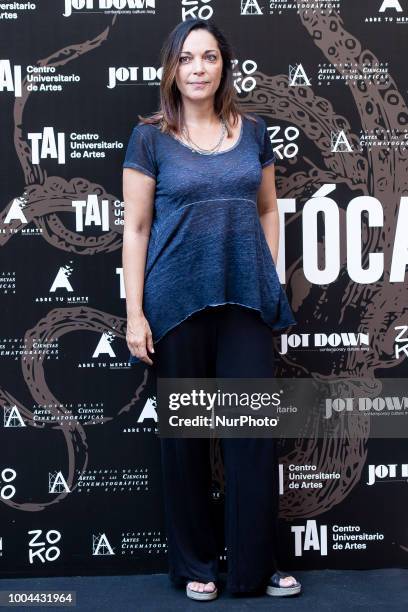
139, 337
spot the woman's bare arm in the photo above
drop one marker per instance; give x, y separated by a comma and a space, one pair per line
138, 197
268, 210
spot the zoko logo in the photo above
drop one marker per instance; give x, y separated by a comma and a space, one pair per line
309, 537
243, 81
283, 141
47, 144
45, 549
401, 341
7, 490
10, 78
196, 9
386, 472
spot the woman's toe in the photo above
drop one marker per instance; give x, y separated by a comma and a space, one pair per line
290, 581
210, 587
201, 586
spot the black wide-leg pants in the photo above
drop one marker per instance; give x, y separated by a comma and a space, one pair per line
226, 341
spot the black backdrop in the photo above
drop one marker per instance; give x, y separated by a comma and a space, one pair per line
80, 484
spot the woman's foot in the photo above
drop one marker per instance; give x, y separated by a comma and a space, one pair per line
201, 590
202, 586
281, 584
287, 581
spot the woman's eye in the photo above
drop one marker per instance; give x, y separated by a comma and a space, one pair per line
211, 57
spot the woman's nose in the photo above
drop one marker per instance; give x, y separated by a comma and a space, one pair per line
198, 66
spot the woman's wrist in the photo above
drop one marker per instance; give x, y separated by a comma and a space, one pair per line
136, 311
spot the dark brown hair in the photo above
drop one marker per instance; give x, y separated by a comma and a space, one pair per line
226, 104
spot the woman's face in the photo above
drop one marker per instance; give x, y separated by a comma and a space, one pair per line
199, 67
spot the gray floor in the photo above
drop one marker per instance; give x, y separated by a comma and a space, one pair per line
331, 590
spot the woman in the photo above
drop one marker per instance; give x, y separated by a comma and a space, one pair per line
200, 240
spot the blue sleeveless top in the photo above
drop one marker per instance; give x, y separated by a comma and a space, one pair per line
207, 246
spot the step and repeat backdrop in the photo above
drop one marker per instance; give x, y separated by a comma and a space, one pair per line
80, 478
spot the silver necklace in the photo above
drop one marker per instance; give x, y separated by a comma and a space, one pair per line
197, 149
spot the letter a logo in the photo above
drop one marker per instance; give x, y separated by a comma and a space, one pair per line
298, 76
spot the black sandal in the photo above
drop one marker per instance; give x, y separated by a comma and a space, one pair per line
275, 589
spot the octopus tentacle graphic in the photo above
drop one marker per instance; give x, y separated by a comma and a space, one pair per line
46, 196
56, 324
379, 172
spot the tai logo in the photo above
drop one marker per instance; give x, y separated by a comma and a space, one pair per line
89, 212
10, 77
46, 144
308, 537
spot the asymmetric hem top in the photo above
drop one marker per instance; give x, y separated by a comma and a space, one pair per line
207, 246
